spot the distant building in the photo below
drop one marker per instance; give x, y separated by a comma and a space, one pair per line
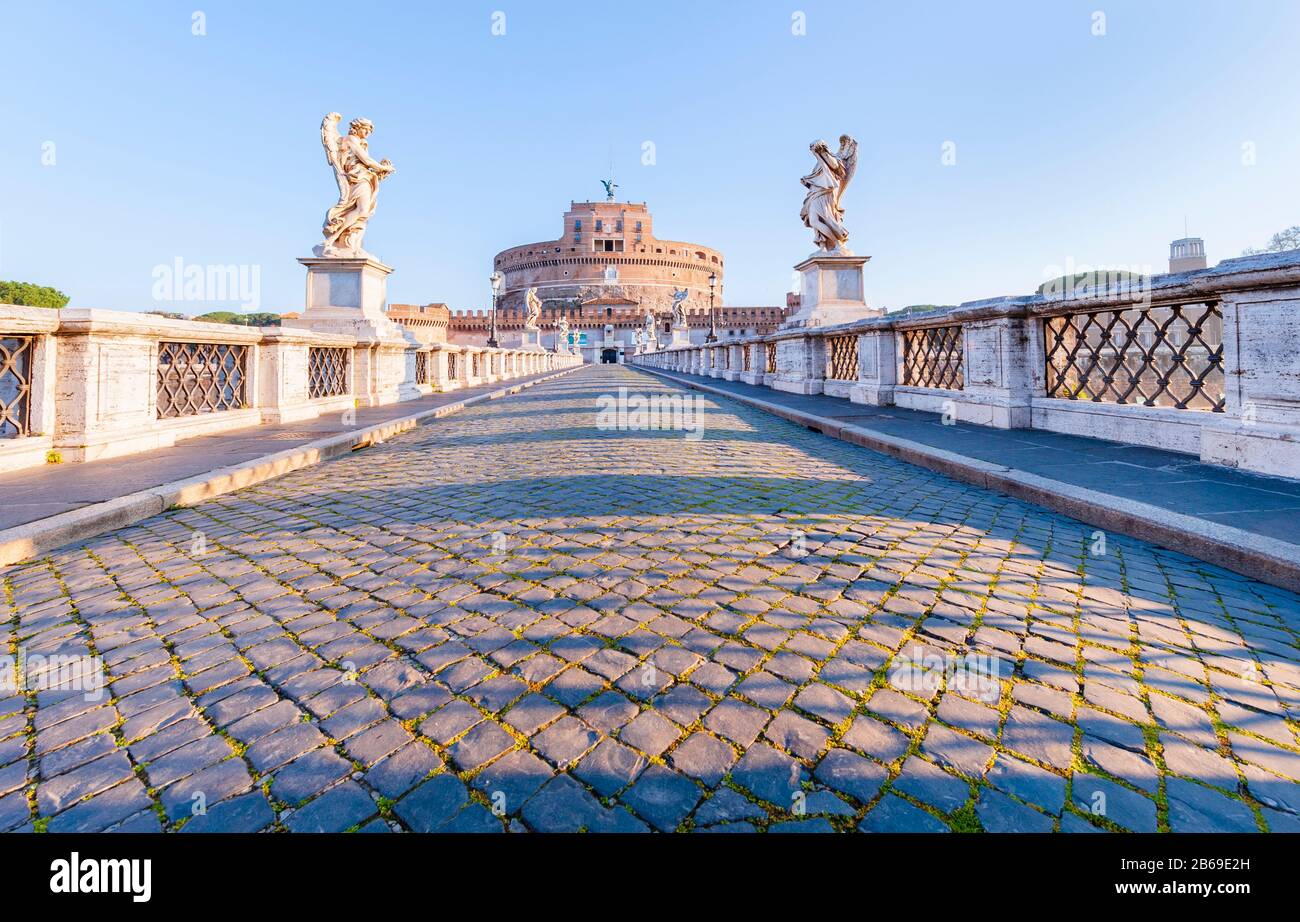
427, 321
607, 252
604, 273
1187, 254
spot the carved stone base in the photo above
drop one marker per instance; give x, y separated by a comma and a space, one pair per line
349, 296
347, 286
531, 340
831, 291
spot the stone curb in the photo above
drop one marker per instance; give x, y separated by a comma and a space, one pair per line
1266, 559
23, 542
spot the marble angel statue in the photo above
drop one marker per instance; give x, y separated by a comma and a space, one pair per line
534, 315
358, 175
679, 308
826, 184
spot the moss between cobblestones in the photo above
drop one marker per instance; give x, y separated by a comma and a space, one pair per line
965, 819
935, 570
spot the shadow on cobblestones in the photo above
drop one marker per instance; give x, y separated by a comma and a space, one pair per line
515, 619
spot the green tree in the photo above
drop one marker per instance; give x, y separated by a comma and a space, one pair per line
1098, 278
261, 319
922, 308
1280, 242
29, 295
218, 317
257, 319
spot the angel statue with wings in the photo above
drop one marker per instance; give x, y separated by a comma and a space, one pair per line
534, 310
822, 212
679, 308
358, 176
649, 325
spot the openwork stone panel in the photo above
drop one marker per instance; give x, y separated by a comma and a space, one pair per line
197, 378
843, 352
451, 365
421, 368
327, 371
1154, 356
932, 357
771, 358
744, 352
15, 385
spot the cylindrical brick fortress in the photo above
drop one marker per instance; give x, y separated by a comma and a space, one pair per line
607, 253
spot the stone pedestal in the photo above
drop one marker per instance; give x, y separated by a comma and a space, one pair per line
681, 338
348, 295
530, 340
831, 291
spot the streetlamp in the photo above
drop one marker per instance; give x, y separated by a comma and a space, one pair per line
713, 316
498, 282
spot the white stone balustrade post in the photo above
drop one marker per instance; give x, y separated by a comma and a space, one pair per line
757, 357
735, 361
999, 379
1259, 429
284, 358
877, 368
800, 364
462, 366
43, 372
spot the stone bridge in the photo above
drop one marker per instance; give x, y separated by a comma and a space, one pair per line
542, 613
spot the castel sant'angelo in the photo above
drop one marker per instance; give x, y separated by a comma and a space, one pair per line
604, 273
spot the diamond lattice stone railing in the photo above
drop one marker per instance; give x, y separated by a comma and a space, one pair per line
1201, 362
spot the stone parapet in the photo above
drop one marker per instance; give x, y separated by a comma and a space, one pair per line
1204, 362
83, 384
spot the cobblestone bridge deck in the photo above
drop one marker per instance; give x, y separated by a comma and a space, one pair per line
514, 619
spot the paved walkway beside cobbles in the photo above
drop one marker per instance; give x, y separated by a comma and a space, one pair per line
1256, 503
1236, 519
518, 619
32, 494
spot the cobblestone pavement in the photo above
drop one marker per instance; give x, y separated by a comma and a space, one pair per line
517, 619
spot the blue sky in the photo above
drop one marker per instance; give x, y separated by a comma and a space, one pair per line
1069, 146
